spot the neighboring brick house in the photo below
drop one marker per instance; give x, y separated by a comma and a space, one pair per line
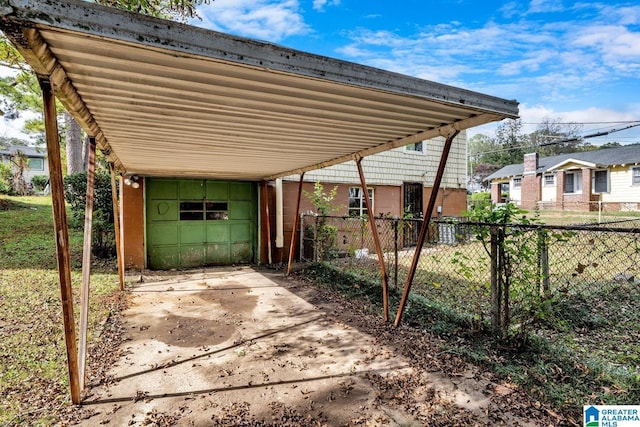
399, 181
37, 160
575, 181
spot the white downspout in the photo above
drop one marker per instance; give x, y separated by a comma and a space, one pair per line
279, 215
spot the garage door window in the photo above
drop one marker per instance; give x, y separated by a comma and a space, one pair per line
217, 211
191, 211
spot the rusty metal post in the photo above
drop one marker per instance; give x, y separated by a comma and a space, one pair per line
61, 234
376, 242
266, 221
86, 262
425, 225
295, 225
116, 226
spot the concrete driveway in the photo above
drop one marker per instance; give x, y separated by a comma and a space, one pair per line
222, 346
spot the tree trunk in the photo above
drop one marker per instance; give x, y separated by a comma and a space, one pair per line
73, 138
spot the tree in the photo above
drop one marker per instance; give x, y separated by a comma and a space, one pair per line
74, 145
553, 137
21, 163
510, 138
22, 92
479, 148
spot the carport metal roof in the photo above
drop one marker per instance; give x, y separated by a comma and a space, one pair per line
168, 99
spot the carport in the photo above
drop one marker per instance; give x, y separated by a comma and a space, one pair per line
163, 99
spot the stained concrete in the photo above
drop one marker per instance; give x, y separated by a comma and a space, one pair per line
204, 342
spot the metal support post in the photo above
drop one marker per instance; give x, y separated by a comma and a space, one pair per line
376, 241
425, 225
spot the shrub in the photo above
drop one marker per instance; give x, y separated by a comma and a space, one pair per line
39, 182
5, 179
75, 192
480, 200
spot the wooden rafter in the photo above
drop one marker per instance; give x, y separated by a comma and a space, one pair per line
86, 263
296, 218
61, 234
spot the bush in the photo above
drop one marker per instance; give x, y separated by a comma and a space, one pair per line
39, 182
480, 200
75, 192
5, 179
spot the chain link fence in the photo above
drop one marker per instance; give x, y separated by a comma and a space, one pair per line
577, 286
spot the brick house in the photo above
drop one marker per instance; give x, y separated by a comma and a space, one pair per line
575, 181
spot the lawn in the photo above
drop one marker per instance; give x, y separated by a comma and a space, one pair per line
33, 369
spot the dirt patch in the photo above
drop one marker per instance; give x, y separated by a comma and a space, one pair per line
191, 332
232, 299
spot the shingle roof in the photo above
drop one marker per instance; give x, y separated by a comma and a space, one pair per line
28, 151
628, 154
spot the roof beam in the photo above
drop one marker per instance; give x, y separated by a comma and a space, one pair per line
445, 130
34, 49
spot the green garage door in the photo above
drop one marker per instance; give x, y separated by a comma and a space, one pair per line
194, 222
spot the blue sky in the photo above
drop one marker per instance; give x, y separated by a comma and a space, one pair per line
566, 61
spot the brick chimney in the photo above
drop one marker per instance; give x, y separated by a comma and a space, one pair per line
530, 163
531, 189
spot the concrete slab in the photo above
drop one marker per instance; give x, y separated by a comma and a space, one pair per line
227, 344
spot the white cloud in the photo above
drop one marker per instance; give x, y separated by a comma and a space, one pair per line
269, 20
545, 6
320, 4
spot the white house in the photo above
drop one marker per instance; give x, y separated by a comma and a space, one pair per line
37, 160
575, 181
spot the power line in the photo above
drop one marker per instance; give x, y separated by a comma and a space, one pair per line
592, 135
581, 123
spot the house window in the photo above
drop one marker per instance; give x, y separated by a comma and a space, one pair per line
517, 182
601, 181
36, 164
414, 148
635, 175
549, 180
573, 182
357, 206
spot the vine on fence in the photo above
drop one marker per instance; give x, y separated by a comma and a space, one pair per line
325, 234
519, 279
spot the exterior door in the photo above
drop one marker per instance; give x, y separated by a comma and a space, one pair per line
412, 206
193, 223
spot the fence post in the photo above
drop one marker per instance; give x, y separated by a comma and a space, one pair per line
302, 236
496, 297
504, 282
543, 247
315, 240
396, 235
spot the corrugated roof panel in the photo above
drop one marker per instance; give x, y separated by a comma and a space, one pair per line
169, 99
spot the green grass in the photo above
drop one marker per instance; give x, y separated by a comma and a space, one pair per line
563, 217
33, 369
